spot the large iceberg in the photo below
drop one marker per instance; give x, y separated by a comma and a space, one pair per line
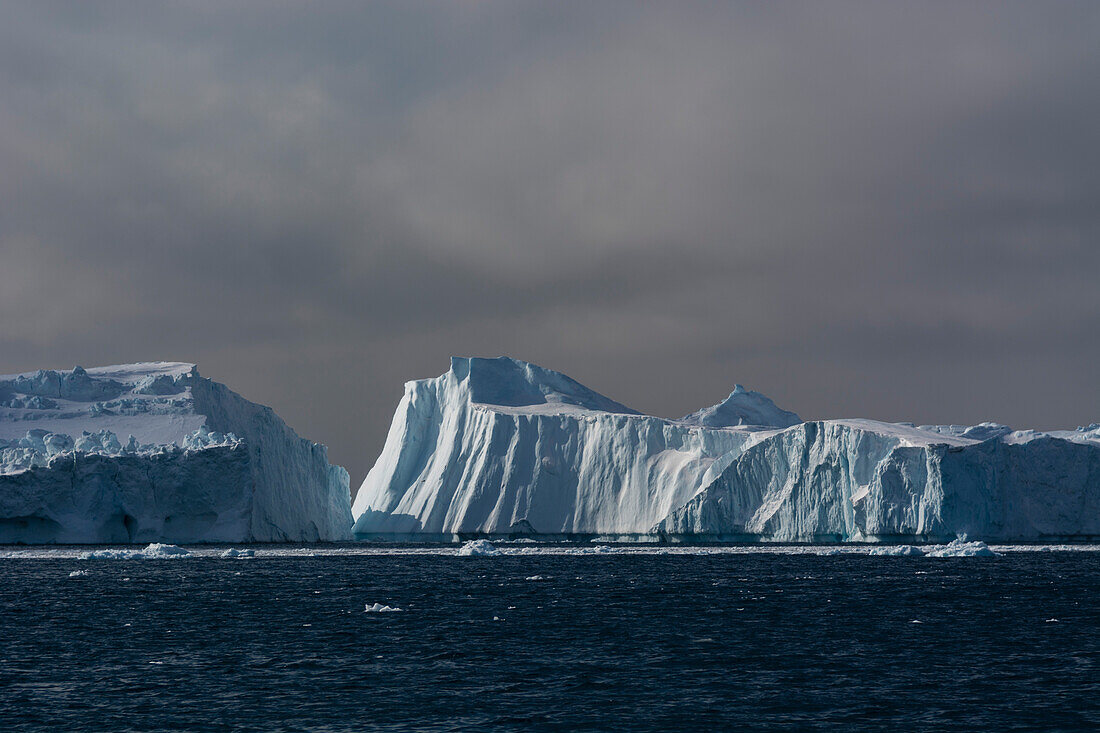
154, 452
499, 447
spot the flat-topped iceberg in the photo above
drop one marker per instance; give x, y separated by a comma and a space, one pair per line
499, 447
154, 452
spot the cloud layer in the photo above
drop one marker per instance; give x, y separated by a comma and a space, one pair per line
864, 209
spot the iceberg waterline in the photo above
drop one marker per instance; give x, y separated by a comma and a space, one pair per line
499, 447
198, 463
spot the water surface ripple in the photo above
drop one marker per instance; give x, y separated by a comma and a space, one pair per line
607, 642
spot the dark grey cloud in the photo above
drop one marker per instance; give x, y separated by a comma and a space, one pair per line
878, 209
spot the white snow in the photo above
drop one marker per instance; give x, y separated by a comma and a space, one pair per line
380, 608
504, 449
153, 451
743, 407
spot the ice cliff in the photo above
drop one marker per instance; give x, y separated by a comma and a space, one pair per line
501, 447
155, 452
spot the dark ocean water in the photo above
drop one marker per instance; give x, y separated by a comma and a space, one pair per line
613, 642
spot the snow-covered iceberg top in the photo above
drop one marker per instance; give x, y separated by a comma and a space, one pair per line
503, 448
152, 402
510, 383
743, 407
39, 447
154, 451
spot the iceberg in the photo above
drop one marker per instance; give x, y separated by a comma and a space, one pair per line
863, 480
500, 448
154, 452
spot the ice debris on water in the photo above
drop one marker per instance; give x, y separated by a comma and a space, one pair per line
78, 573
380, 608
234, 552
535, 577
154, 551
962, 548
898, 551
478, 548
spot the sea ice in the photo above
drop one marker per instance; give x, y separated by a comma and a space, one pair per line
898, 550
78, 573
154, 551
234, 552
380, 608
962, 548
478, 548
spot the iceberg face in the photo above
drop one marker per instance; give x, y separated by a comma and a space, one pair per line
499, 447
862, 480
199, 463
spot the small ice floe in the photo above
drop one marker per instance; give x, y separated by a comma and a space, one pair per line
155, 551
962, 548
78, 573
536, 577
478, 548
830, 552
1051, 621
597, 550
234, 552
916, 621
380, 608
898, 551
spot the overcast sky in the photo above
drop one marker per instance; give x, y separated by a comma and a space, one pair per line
861, 209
